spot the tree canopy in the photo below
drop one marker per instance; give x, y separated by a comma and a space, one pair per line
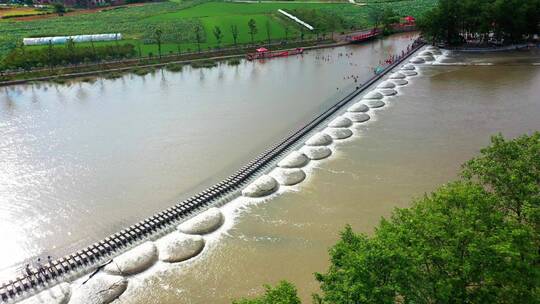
507, 20
475, 240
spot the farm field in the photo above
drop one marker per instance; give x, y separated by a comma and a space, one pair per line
19, 11
178, 21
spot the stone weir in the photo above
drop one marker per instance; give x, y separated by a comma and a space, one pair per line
98, 255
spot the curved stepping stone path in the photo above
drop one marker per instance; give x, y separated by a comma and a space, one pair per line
374, 103
374, 95
288, 177
360, 117
134, 261
295, 159
386, 85
263, 186
417, 60
206, 222
400, 82
317, 153
177, 247
339, 133
319, 139
410, 73
357, 107
388, 92
58, 294
340, 122
100, 289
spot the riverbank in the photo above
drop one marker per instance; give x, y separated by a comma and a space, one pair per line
131, 66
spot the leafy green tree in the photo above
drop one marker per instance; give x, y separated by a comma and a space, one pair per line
268, 32
389, 17
158, 33
235, 32
218, 34
198, 36
510, 169
59, 8
252, 29
283, 293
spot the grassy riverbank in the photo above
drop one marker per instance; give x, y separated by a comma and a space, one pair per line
179, 20
144, 66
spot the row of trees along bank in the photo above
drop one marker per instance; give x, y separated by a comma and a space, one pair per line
506, 21
50, 56
476, 240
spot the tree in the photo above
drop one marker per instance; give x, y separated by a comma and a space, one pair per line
389, 17
235, 33
471, 241
59, 8
252, 29
283, 293
511, 171
70, 46
158, 33
50, 54
218, 34
198, 36
268, 34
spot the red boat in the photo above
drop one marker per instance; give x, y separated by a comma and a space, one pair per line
364, 36
263, 53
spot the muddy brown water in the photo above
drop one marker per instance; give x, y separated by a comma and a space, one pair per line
82, 161
79, 162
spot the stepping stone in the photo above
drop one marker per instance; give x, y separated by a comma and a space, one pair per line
373, 103
339, 133
340, 122
428, 58
400, 82
417, 60
360, 117
288, 177
316, 153
134, 261
319, 139
206, 222
425, 53
358, 107
295, 159
408, 67
263, 186
100, 289
396, 75
374, 95
386, 85
388, 92
177, 247
410, 73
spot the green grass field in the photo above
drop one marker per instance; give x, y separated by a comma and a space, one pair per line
179, 19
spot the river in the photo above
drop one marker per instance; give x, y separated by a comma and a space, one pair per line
81, 161
103, 155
